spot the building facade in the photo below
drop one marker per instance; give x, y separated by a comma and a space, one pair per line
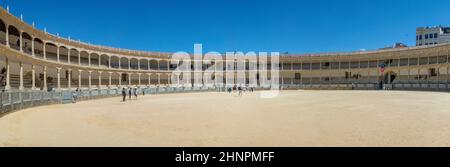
432, 35
31, 59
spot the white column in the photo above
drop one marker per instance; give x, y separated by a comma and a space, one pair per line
68, 55
79, 78
7, 35
149, 79
100, 79
69, 76
120, 79
79, 57
20, 42
159, 79
139, 64
109, 79
109, 62
44, 51
8, 75
129, 64
90, 77
57, 53
45, 78
89, 59
21, 87
139, 78
32, 46
129, 78
59, 78
33, 77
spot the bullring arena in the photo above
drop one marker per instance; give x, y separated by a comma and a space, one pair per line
295, 118
389, 97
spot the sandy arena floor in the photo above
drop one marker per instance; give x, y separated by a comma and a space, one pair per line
295, 118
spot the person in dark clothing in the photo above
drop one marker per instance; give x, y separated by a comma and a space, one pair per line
135, 93
129, 93
124, 94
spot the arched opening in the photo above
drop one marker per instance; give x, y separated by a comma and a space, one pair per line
124, 63
14, 35
163, 65
115, 77
84, 58
2, 32
115, 62
134, 64
145, 79
26, 43
63, 54
38, 48
143, 64
153, 65
153, 79
104, 61
95, 59
50, 52
74, 56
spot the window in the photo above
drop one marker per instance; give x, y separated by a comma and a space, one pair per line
426, 36
435, 35
420, 37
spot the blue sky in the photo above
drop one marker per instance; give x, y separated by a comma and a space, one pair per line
293, 26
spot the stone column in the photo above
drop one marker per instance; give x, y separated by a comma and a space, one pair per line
100, 79
139, 78
45, 78
59, 78
109, 79
7, 35
32, 47
159, 79
20, 41
68, 55
21, 87
79, 78
89, 59
129, 79
8, 74
33, 78
44, 50
90, 79
109, 62
57, 53
79, 57
69, 80
120, 79
149, 79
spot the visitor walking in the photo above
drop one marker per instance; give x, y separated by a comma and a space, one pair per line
129, 93
240, 90
135, 93
124, 94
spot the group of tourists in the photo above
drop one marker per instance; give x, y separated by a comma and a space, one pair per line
131, 92
240, 89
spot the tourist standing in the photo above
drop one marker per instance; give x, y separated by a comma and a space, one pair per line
124, 94
135, 93
129, 93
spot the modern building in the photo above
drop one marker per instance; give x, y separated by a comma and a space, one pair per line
432, 35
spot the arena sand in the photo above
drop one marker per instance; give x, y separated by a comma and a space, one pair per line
295, 118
